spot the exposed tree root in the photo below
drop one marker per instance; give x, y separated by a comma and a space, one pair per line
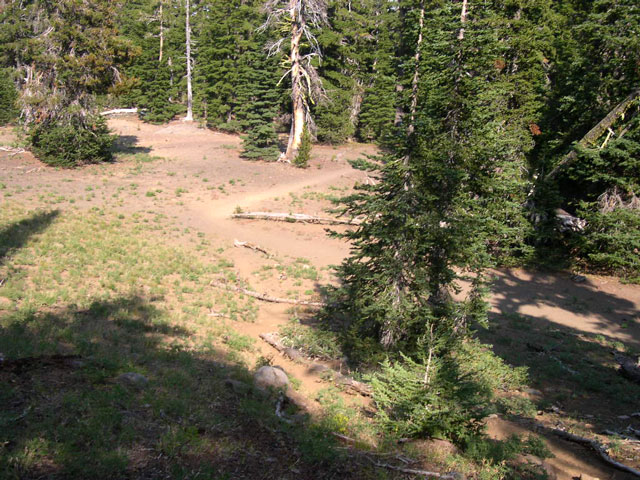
294, 217
347, 383
594, 445
264, 297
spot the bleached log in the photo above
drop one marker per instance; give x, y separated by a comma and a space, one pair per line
119, 111
294, 217
264, 297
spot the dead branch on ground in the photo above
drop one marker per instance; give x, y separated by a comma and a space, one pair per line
264, 297
251, 246
294, 218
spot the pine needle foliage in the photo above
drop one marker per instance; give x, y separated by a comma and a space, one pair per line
8, 97
303, 156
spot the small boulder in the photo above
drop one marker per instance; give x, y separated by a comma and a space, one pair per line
579, 278
270, 377
132, 379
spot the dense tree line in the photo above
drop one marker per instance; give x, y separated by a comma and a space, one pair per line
493, 117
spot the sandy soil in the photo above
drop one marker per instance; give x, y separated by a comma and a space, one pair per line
200, 180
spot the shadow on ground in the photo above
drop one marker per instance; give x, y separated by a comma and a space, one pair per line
67, 413
16, 235
128, 144
583, 303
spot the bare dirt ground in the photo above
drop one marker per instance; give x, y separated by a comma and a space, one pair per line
199, 180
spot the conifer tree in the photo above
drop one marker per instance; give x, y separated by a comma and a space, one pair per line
8, 97
69, 57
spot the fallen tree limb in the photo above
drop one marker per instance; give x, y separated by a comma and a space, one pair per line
264, 297
12, 151
294, 217
594, 445
347, 383
251, 246
413, 471
119, 111
595, 133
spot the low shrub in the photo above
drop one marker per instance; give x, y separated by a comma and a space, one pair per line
304, 152
8, 97
72, 144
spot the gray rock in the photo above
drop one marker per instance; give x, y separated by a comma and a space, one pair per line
271, 377
579, 278
133, 379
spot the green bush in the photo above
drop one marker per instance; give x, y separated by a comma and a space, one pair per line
459, 394
304, 152
8, 97
611, 241
76, 143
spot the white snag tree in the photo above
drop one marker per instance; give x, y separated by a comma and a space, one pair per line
189, 116
294, 20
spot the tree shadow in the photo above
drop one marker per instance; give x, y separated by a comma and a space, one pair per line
128, 145
579, 305
16, 235
69, 413
574, 373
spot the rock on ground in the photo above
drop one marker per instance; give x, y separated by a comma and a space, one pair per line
270, 377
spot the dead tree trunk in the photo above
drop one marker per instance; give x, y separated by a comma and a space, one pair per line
297, 88
298, 18
596, 132
161, 34
189, 116
463, 19
416, 70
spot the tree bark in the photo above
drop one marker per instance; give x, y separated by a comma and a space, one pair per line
463, 19
416, 70
161, 34
189, 116
297, 89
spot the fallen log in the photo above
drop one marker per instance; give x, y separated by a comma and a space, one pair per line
264, 297
594, 445
119, 111
294, 217
347, 383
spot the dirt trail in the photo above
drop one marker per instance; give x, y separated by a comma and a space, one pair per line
200, 159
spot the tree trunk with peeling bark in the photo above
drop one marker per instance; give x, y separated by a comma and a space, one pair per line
297, 87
